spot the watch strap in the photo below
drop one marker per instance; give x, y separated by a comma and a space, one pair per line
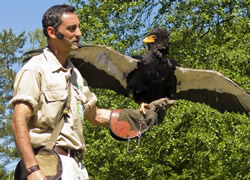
33, 169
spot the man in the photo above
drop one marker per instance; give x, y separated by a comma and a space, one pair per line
40, 91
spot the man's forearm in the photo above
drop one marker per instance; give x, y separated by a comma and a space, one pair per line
98, 116
21, 134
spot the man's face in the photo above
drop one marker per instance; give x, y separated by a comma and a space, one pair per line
70, 28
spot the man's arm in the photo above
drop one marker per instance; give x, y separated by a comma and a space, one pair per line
102, 117
98, 116
21, 116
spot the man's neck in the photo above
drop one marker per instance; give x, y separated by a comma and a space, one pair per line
60, 54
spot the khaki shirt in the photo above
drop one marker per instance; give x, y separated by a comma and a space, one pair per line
42, 82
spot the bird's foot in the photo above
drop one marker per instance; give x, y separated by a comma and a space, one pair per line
142, 108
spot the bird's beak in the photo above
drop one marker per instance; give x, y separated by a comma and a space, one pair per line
149, 39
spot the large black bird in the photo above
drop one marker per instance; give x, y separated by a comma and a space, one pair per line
155, 76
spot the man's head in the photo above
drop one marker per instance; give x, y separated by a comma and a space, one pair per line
52, 17
61, 22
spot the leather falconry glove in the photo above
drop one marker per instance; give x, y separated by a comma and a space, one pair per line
127, 124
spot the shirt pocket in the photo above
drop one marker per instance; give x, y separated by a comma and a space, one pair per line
55, 95
52, 106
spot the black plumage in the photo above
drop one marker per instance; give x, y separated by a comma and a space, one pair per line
154, 77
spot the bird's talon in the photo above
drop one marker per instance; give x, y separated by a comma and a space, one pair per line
142, 108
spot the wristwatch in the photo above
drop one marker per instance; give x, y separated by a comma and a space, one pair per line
33, 169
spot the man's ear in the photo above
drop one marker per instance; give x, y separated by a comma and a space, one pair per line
51, 32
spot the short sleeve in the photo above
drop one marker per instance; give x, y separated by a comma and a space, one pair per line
26, 88
91, 99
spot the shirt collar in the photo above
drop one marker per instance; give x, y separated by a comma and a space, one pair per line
69, 64
54, 63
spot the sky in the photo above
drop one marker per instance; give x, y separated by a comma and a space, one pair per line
24, 15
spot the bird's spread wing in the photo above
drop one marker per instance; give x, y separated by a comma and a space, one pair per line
212, 88
103, 67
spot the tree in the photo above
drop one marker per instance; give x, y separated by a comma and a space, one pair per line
37, 39
10, 49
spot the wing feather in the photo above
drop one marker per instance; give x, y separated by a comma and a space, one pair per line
104, 58
212, 88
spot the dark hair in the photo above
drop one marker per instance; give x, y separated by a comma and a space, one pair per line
52, 17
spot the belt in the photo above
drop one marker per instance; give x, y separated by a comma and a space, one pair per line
76, 154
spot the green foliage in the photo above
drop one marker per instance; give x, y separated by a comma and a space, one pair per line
4, 175
2, 172
110, 100
10, 48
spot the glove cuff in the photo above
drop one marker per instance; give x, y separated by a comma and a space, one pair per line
121, 129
